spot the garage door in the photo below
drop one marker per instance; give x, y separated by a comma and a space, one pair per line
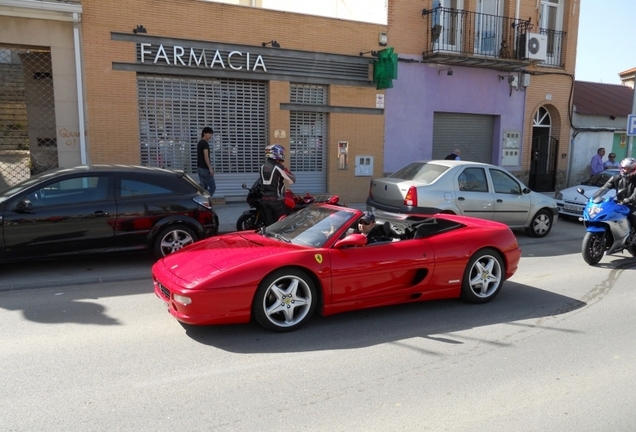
173, 110
471, 133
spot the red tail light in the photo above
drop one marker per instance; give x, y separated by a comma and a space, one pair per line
411, 197
371, 189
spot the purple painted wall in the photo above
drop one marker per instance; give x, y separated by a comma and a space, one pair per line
420, 91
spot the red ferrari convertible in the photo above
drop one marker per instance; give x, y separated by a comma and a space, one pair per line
312, 260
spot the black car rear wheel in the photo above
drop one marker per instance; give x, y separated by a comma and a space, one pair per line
285, 300
172, 238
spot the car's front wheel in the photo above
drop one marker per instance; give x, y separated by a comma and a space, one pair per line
285, 300
172, 238
540, 225
483, 277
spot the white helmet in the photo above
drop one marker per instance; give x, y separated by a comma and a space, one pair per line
628, 167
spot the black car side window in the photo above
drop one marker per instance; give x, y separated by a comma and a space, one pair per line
135, 188
70, 191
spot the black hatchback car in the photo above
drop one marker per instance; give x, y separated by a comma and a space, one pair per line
103, 208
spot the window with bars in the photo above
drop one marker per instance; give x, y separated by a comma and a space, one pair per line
173, 110
28, 128
308, 130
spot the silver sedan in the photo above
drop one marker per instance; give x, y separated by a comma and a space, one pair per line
465, 188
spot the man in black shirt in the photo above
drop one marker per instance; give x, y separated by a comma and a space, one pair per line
204, 163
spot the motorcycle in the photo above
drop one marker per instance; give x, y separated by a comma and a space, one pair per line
254, 218
608, 228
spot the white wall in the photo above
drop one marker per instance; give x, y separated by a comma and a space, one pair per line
584, 147
371, 11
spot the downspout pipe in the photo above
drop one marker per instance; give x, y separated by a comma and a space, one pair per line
80, 87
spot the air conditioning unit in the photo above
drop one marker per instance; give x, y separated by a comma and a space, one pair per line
536, 46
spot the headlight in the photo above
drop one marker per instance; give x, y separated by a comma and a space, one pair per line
594, 210
182, 299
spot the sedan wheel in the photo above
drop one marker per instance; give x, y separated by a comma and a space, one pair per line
541, 224
483, 277
285, 300
173, 238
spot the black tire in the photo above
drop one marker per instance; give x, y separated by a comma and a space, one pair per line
285, 300
540, 225
247, 222
483, 277
172, 238
593, 248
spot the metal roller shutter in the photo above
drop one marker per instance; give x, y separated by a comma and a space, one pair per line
173, 110
471, 133
308, 140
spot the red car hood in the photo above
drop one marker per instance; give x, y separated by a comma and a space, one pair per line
222, 253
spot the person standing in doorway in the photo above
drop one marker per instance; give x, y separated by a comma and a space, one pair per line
453, 156
611, 162
596, 164
204, 162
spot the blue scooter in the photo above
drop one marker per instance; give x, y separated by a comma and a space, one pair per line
608, 228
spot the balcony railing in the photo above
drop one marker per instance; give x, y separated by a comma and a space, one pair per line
554, 48
476, 39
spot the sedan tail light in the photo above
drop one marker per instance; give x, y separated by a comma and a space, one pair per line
411, 197
203, 201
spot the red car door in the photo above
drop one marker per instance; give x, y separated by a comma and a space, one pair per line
380, 270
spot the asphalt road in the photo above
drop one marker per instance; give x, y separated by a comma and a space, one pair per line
554, 351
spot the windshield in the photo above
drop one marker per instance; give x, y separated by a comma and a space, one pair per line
420, 171
600, 179
311, 226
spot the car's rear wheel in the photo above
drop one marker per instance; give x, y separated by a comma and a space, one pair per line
483, 277
172, 238
285, 300
541, 224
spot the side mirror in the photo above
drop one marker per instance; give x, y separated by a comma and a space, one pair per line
244, 186
526, 190
23, 206
351, 240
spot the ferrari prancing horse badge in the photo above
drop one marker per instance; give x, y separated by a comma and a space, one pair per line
318, 258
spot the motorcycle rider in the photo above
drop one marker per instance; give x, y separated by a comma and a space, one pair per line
272, 179
625, 179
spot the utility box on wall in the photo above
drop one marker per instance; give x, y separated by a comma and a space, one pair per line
364, 166
510, 151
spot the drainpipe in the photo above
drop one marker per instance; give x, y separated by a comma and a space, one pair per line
80, 88
630, 144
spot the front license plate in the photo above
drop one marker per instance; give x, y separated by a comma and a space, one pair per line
575, 209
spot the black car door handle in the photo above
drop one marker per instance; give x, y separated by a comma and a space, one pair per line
461, 198
100, 213
499, 200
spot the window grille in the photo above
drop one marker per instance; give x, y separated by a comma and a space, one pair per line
173, 110
308, 137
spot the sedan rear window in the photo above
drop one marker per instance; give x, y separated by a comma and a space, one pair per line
421, 172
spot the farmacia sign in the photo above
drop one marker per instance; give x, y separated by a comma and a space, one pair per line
200, 58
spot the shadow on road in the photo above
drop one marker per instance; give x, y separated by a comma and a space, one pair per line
390, 324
